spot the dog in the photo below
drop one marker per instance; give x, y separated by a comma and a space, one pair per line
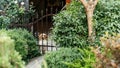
43, 36
43, 42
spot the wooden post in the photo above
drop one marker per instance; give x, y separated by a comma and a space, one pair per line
89, 8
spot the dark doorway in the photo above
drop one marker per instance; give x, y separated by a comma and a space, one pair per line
43, 8
42, 5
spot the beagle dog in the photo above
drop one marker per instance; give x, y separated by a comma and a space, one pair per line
43, 38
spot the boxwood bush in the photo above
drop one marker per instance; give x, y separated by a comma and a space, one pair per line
70, 25
9, 57
107, 17
69, 58
25, 43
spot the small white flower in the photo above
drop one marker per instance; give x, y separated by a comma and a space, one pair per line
0, 10
22, 3
15, 2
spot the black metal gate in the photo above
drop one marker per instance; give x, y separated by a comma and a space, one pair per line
41, 28
43, 22
40, 25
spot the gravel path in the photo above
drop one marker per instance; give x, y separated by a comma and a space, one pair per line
35, 63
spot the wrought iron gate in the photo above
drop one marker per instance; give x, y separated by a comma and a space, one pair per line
40, 25
41, 28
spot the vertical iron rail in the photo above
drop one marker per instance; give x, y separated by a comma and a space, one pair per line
42, 30
47, 29
36, 31
56, 11
51, 11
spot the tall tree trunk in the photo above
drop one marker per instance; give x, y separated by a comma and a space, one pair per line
90, 23
89, 7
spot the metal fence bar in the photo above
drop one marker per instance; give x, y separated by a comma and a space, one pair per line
47, 28
51, 11
42, 32
56, 11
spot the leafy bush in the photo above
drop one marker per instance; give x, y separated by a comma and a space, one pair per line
108, 55
70, 27
9, 57
69, 58
4, 21
107, 17
25, 43
28, 42
18, 13
14, 12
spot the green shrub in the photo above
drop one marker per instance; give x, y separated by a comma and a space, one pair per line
69, 58
4, 21
107, 17
14, 12
9, 57
25, 43
70, 27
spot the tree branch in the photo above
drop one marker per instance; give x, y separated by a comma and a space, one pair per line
84, 2
95, 2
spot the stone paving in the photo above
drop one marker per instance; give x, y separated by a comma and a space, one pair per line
35, 63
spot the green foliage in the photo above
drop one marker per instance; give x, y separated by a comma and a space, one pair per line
70, 27
25, 43
18, 13
107, 17
70, 58
85, 61
4, 21
14, 12
9, 57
